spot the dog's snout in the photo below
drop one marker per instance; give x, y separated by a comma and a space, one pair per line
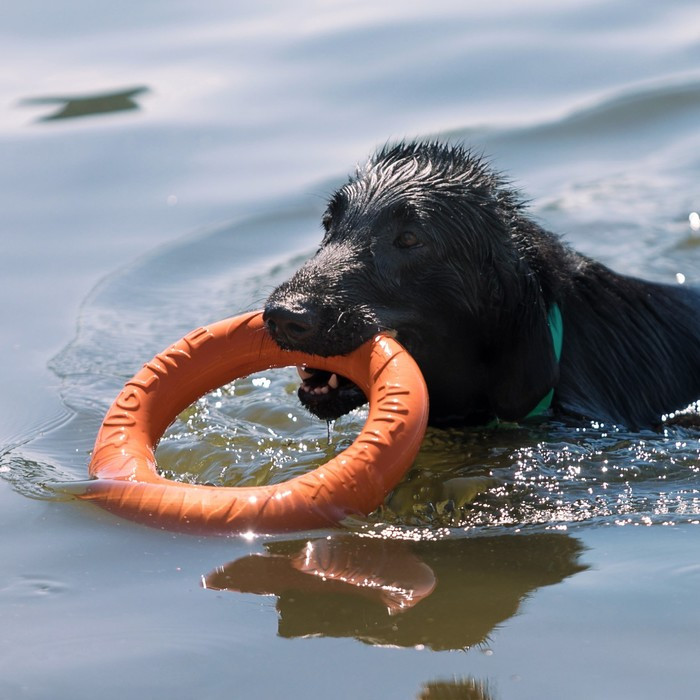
289, 326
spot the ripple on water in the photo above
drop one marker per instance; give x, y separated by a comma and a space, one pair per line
554, 475
251, 432
254, 431
32, 587
560, 475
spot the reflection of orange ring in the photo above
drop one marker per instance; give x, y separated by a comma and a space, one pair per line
355, 481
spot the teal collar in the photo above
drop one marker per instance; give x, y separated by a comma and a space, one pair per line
556, 329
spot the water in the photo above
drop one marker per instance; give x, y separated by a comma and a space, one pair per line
165, 167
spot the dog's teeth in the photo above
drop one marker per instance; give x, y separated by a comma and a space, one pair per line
303, 373
333, 381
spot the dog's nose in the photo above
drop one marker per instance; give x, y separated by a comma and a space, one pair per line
288, 326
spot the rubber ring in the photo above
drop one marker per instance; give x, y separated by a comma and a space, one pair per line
354, 482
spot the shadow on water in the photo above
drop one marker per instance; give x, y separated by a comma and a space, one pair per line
447, 594
88, 105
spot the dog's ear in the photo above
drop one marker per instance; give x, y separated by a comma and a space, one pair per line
524, 368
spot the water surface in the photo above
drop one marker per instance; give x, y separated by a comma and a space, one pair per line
165, 167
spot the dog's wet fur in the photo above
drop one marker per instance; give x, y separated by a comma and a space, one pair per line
426, 241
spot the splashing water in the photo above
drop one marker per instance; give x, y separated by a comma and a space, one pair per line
553, 475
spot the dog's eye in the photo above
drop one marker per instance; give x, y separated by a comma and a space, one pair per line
407, 239
327, 220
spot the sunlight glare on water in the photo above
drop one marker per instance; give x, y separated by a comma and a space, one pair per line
250, 432
254, 431
694, 220
169, 166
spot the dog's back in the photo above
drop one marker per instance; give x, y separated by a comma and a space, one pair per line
631, 350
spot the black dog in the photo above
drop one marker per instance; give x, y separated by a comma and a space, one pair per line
427, 242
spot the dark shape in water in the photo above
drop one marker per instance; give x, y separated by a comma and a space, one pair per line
448, 594
104, 103
456, 689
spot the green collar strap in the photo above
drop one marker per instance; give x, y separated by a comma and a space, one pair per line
556, 328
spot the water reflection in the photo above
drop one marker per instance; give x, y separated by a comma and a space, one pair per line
101, 103
448, 594
456, 689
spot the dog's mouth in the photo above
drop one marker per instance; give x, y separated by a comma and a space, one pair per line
328, 395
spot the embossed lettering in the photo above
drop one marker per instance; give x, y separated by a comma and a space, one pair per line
319, 488
385, 419
117, 438
128, 400
374, 437
156, 368
391, 389
171, 356
142, 382
393, 406
119, 420
198, 337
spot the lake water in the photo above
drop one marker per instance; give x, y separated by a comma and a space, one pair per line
163, 166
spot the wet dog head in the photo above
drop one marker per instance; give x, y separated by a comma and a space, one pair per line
422, 242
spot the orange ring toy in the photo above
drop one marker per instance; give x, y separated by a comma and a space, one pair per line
356, 481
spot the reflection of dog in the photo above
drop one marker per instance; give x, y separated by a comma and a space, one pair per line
425, 241
447, 594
